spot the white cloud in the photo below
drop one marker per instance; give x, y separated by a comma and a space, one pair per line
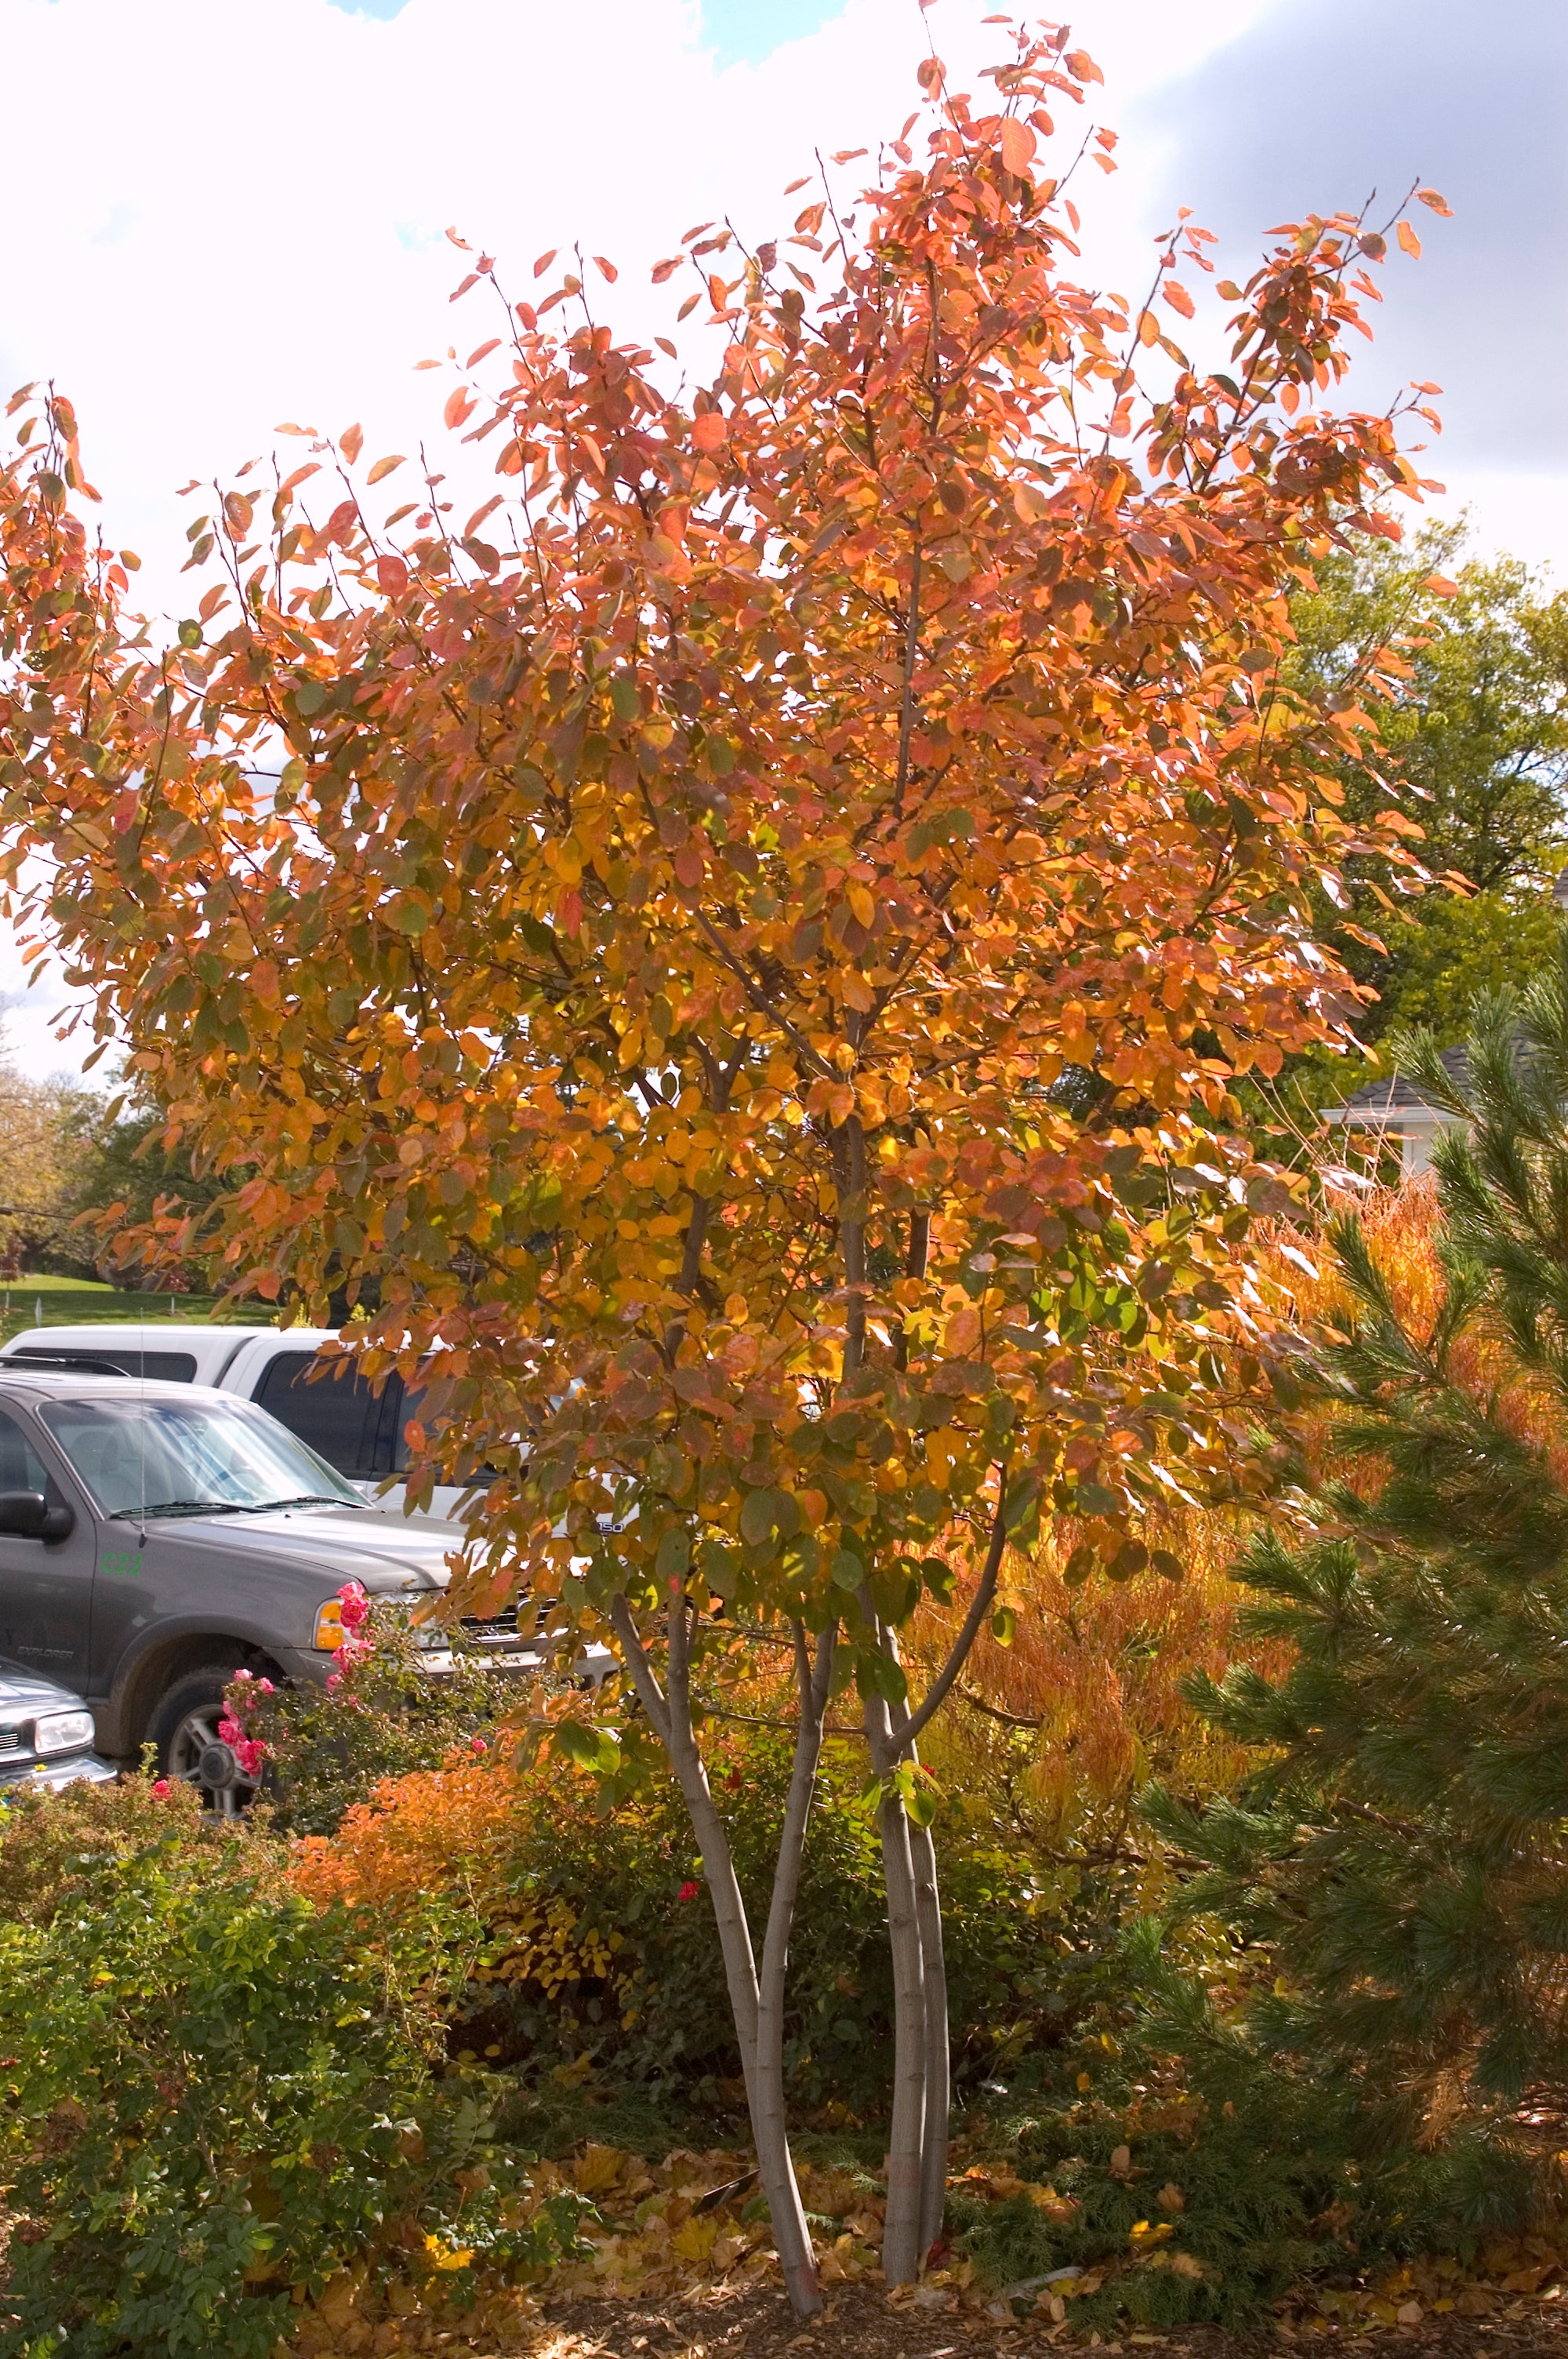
223, 216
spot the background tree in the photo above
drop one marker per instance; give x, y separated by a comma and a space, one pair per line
1400, 1844
1473, 749
33, 1190
754, 939
117, 1171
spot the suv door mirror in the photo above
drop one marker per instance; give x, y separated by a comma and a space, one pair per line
28, 1515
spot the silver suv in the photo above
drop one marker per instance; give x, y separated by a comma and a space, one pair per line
156, 1538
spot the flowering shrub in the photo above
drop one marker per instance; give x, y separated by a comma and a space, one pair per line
217, 2097
382, 1715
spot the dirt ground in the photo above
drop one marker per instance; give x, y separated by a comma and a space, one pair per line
863, 2323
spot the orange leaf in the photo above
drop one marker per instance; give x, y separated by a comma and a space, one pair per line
606, 269
460, 404
1409, 239
1082, 66
392, 574
711, 431
1439, 205
1178, 298
385, 467
351, 441
1017, 146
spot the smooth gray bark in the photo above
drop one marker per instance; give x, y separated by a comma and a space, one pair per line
939, 2056
670, 1714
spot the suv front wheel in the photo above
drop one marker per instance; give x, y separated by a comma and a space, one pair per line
184, 1734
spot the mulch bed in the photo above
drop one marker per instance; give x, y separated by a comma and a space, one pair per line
862, 2323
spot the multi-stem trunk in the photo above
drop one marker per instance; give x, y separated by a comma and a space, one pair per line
756, 2000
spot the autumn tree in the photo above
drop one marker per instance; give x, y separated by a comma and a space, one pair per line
753, 939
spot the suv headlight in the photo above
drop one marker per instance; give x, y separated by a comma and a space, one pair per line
328, 1634
64, 1731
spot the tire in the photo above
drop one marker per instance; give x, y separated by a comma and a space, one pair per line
183, 1732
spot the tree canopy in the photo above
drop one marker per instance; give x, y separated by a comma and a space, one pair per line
755, 934
1473, 749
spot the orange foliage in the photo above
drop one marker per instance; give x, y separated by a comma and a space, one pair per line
418, 1833
1402, 1227
1090, 1683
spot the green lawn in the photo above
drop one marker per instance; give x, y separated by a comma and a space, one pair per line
73, 1301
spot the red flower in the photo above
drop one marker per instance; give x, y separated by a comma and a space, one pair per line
477, 1745
688, 1890
230, 1730
354, 1604
161, 1789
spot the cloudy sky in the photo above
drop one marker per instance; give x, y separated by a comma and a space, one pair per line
219, 217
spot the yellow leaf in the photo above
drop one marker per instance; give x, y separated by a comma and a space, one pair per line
696, 2240
597, 2168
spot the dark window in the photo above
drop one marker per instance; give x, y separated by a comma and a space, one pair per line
21, 1468
341, 1418
166, 1367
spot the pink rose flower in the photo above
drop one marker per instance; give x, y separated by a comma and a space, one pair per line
264, 1687
355, 1604
249, 1753
242, 1675
229, 1729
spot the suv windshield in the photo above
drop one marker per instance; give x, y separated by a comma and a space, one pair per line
190, 1457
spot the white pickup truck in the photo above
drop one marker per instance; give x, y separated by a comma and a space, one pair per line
356, 1428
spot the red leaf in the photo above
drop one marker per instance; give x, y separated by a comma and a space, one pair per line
391, 575
606, 269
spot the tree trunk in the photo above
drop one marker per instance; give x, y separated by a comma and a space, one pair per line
763, 2070
902, 2248
938, 2061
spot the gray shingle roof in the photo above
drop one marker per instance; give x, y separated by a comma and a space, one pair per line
1394, 1095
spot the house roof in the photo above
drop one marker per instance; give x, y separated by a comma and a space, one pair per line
1393, 1101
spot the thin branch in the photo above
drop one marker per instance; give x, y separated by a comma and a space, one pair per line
906, 1730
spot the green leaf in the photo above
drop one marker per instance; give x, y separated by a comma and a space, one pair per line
767, 1512
845, 1571
1004, 1625
674, 1558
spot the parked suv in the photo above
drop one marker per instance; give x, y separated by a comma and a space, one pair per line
155, 1538
355, 1425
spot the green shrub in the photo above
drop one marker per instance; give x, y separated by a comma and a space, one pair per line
602, 1949
214, 2093
1209, 2169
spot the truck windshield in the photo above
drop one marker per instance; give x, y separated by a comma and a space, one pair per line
161, 1457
